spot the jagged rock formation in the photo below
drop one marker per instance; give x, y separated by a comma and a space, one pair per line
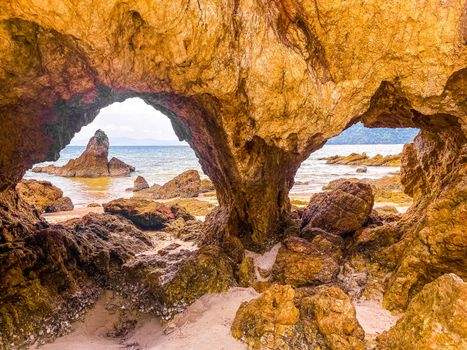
254, 88
435, 318
363, 159
44, 196
250, 123
92, 162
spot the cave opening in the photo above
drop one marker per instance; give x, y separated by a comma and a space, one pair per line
140, 136
371, 155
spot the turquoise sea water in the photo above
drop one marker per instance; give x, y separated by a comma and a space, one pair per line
158, 164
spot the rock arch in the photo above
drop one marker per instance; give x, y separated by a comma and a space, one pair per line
254, 87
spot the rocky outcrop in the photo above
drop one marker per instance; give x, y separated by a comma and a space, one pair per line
340, 211
434, 319
119, 168
250, 124
51, 273
92, 162
40, 194
168, 283
433, 236
185, 185
254, 88
193, 206
386, 189
44, 196
282, 318
144, 213
364, 159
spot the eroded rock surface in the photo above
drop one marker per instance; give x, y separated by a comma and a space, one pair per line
301, 263
282, 318
144, 213
184, 185
254, 88
44, 196
434, 319
252, 113
343, 210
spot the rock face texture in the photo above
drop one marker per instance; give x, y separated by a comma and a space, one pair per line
342, 210
254, 87
281, 318
433, 232
252, 112
435, 318
44, 196
301, 263
40, 194
93, 162
144, 213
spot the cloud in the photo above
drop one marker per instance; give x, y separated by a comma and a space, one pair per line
133, 119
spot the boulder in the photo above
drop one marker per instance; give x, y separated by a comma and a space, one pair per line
303, 263
144, 213
193, 206
282, 318
62, 204
435, 318
185, 185
334, 319
140, 184
119, 168
93, 162
40, 194
385, 189
342, 210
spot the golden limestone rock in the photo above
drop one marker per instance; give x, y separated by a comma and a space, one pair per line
434, 319
253, 87
44, 196
281, 318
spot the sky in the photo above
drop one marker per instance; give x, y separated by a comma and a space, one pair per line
130, 122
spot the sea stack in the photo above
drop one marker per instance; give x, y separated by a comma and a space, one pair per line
93, 162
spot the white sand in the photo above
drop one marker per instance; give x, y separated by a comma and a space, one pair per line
373, 318
264, 261
203, 325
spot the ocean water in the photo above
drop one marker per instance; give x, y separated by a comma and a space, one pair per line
159, 164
